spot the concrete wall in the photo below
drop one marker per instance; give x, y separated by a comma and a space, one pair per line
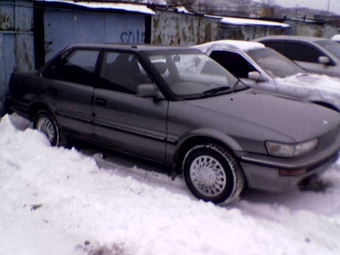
16, 41
309, 28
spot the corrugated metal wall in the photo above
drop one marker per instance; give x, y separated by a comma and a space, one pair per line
181, 29
16, 41
171, 28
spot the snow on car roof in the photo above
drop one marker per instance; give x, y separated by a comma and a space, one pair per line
230, 44
108, 5
336, 38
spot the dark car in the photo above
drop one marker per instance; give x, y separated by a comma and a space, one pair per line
179, 107
314, 54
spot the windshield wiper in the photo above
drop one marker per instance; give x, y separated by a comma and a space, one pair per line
237, 83
215, 90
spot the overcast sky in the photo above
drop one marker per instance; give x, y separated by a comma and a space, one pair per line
334, 5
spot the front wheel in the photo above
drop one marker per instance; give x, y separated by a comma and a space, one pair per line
212, 173
46, 123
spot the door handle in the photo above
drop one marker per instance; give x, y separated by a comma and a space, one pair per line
101, 101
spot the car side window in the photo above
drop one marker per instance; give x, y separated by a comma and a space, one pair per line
122, 72
278, 46
233, 62
78, 67
302, 52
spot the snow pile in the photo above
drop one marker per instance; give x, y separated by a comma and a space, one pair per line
58, 201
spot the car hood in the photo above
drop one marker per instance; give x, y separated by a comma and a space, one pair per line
295, 120
311, 87
313, 81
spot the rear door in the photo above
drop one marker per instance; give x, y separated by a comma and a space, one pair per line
68, 83
121, 118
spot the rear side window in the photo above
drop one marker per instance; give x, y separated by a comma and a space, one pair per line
233, 62
78, 67
302, 52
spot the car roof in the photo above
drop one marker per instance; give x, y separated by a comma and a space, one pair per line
293, 37
229, 45
128, 47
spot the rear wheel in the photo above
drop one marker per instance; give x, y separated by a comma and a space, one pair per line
46, 123
212, 173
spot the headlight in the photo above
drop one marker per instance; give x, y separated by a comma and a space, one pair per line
290, 150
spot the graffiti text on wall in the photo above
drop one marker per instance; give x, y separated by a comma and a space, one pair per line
132, 37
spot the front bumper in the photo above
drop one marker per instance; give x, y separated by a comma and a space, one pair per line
267, 177
262, 172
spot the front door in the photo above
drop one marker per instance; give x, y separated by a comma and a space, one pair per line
121, 118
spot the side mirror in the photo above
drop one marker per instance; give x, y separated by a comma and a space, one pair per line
324, 60
256, 76
146, 90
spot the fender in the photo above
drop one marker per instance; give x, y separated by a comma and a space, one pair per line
176, 144
37, 102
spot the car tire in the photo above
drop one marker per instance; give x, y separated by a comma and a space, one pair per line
212, 173
47, 124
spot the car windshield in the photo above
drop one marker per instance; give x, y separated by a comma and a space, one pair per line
274, 63
331, 46
192, 74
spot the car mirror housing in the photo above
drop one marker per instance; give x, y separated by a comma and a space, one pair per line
256, 76
324, 60
147, 90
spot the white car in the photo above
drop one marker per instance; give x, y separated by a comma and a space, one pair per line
265, 69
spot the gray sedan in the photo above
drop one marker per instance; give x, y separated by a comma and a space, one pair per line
179, 107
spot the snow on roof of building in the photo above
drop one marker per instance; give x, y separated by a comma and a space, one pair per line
250, 22
108, 5
182, 9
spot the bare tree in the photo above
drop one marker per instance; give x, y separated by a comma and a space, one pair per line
268, 2
189, 4
268, 9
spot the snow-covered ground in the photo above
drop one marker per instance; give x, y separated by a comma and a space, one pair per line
61, 201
